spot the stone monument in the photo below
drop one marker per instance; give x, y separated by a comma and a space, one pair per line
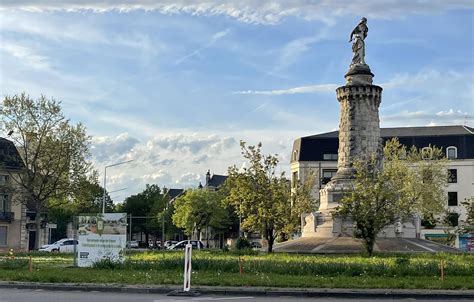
359, 136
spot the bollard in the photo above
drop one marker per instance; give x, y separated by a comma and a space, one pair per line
241, 266
30, 265
441, 267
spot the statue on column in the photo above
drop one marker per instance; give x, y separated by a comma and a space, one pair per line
358, 34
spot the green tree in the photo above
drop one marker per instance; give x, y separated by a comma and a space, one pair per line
467, 225
145, 206
54, 151
262, 197
405, 182
198, 209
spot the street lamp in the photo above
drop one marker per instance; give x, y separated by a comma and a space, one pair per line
105, 180
163, 219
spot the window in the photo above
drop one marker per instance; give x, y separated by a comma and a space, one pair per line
3, 179
295, 179
452, 152
452, 176
3, 235
426, 153
330, 156
327, 175
452, 199
4, 203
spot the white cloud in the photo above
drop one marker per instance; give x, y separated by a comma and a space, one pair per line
79, 30
442, 117
189, 180
111, 148
251, 11
26, 55
192, 144
295, 90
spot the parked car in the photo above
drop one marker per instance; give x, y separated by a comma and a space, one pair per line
256, 245
181, 245
133, 244
53, 247
169, 244
68, 246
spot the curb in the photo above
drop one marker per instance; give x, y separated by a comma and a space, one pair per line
424, 294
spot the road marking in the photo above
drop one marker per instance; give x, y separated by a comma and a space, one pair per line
216, 299
204, 299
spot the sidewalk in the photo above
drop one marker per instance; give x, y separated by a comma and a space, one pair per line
255, 291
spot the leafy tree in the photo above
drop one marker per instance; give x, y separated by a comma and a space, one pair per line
302, 201
262, 197
147, 204
198, 209
404, 183
88, 196
467, 225
54, 151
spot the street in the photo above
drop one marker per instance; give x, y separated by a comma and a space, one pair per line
24, 295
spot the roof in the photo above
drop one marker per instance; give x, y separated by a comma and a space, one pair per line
9, 156
312, 148
410, 131
173, 193
216, 181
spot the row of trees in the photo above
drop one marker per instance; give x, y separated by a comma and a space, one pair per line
59, 178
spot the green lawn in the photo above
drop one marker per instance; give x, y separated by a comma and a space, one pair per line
276, 270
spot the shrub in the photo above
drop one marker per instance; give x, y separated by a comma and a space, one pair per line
13, 263
107, 263
242, 244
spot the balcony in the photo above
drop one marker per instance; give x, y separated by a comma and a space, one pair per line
6, 216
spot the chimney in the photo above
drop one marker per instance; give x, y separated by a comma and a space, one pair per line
208, 177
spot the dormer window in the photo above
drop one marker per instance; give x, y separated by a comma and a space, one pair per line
452, 152
295, 155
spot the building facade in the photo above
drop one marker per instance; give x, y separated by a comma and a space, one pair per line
318, 155
17, 222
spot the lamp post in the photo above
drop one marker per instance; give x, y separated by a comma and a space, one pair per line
105, 180
163, 219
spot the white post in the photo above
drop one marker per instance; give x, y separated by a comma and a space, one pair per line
105, 191
187, 267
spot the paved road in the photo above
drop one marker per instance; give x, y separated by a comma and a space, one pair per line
38, 295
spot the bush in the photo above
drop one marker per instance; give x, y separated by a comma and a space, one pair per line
242, 244
13, 263
108, 263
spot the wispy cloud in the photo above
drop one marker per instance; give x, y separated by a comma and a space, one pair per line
251, 11
447, 117
26, 55
321, 88
212, 41
292, 50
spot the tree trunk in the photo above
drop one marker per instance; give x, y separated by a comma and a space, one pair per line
369, 245
271, 239
38, 226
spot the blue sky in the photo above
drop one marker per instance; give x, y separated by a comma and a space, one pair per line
175, 85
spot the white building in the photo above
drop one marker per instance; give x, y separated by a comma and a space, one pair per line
319, 153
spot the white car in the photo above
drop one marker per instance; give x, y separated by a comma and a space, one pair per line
53, 247
68, 246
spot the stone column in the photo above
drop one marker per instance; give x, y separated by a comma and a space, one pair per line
359, 136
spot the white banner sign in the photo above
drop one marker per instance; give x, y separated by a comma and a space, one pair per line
101, 236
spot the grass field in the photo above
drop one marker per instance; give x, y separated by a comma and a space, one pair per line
276, 270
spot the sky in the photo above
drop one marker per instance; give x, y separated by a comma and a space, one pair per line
176, 85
